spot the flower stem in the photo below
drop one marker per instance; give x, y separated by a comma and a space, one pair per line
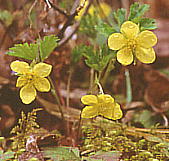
68, 96
91, 80
128, 87
53, 91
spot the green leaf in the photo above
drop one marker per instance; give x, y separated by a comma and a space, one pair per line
120, 16
62, 153
106, 156
30, 51
87, 25
77, 53
104, 29
47, 45
6, 17
146, 118
6, 155
147, 24
98, 59
137, 10
25, 51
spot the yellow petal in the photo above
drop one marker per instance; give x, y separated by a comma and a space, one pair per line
89, 112
116, 41
105, 98
117, 112
106, 110
147, 39
145, 55
27, 94
125, 56
21, 81
89, 100
20, 67
129, 29
104, 9
42, 69
42, 84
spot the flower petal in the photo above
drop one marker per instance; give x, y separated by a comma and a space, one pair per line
117, 112
106, 110
129, 29
27, 94
89, 112
125, 56
20, 67
42, 84
42, 69
105, 98
21, 81
147, 39
116, 41
89, 100
145, 55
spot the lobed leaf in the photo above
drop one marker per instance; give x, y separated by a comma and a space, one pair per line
47, 45
30, 51
137, 10
147, 24
25, 51
120, 16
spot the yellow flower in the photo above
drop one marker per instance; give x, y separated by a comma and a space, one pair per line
133, 44
103, 105
103, 10
31, 78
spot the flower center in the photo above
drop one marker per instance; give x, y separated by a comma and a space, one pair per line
131, 44
30, 77
103, 107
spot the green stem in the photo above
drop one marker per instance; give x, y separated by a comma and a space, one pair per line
128, 87
79, 126
91, 80
68, 87
53, 91
68, 96
99, 76
108, 69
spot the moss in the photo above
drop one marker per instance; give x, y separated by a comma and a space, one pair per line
112, 136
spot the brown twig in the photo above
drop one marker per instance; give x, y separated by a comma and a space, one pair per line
57, 8
71, 18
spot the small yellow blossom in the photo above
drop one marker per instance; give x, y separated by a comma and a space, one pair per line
31, 79
102, 104
103, 9
132, 44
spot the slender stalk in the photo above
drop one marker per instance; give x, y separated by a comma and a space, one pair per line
79, 127
68, 86
29, 13
68, 96
107, 72
99, 76
100, 88
53, 91
128, 87
91, 80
